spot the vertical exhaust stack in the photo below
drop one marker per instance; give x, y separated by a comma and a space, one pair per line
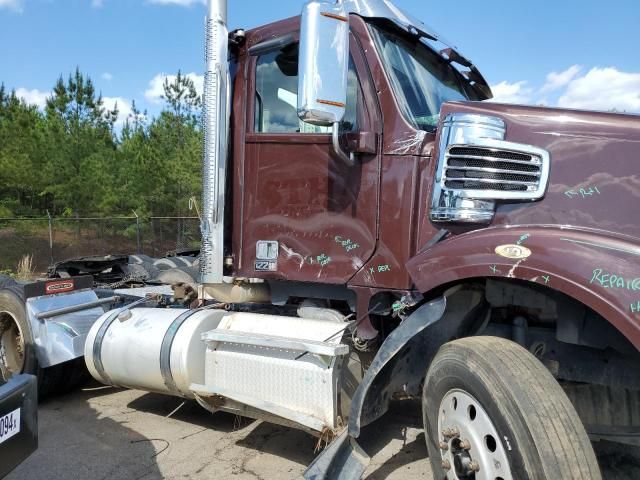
216, 127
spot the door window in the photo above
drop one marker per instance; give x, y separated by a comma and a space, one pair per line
276, 98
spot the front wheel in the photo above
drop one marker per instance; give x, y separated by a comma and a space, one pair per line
492, 411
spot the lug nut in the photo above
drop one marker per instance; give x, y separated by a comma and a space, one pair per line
450, 432
446, 465
474, 466
465, 444
443, 446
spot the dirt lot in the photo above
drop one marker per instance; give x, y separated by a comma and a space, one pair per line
105, 433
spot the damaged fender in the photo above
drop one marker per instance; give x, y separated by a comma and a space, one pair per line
400, 365
599, 269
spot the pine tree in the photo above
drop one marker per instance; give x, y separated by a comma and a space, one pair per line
21, 155
81, 147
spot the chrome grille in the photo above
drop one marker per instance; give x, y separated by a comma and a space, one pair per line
473, 168
477, 168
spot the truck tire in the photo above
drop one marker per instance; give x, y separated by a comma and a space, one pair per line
491, 410
17, 349
139, 258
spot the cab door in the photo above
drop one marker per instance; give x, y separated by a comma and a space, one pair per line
306, 214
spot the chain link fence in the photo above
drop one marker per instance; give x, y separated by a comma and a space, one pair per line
52, 239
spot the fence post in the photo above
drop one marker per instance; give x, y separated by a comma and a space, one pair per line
50, 236
137, 231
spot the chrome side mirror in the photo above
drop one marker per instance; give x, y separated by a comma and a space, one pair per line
323, 63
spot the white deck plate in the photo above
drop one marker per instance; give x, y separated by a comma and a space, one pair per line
270, 375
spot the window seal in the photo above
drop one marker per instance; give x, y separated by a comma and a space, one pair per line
276, 43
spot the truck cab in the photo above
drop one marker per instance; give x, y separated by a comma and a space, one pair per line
336, 221
344, 218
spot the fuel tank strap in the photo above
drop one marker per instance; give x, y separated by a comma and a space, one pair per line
165, 350
97, 345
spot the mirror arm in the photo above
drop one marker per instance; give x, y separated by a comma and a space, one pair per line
347, 158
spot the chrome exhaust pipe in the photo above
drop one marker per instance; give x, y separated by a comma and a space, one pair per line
216, 127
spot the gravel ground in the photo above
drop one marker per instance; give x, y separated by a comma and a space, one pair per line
105, 433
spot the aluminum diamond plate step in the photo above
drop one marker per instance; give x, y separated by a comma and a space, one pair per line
274, 341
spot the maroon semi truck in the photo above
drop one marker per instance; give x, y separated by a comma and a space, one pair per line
374, 227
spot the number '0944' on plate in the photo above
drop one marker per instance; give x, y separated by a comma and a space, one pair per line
9, 425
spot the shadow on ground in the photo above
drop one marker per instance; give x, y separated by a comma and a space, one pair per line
401, 426
187, 411
289, 443
77, 442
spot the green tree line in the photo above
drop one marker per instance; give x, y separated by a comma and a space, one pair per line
71, 158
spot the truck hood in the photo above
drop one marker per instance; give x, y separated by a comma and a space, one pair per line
594, 179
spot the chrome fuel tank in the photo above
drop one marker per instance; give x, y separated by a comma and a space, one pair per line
158, 350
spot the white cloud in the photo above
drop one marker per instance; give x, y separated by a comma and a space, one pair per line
97, 3
556, 80
107, 76
33, 97
15, 5
124, 108
182, 3
155, 92
603, 89
599, 89
505, 92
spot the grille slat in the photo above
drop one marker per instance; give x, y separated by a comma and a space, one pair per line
489, 152
493, 163
493, 181
487, 158
491, 169
473, 185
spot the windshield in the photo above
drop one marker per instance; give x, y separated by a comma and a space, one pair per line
422, 80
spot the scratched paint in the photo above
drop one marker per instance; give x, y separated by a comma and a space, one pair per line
346, 243
606, 279
494, 270
407, 146
583, 192
632, 251
522, 239
368, 275
512, 272
357, 263
544, 278
292, 254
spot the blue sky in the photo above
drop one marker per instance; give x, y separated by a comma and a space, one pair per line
558, 52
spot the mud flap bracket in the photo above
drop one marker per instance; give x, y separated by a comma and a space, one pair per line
343, 459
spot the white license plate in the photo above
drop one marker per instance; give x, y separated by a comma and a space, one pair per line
9, 425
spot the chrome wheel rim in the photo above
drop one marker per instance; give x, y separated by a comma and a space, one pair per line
469, 443
11, 346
